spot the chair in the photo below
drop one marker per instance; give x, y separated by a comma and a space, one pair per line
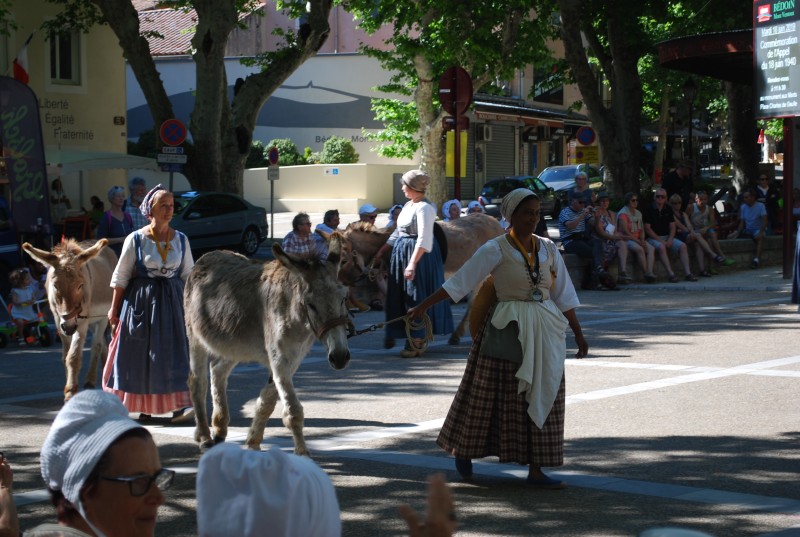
78, 227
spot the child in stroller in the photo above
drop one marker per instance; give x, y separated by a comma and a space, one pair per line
24, 294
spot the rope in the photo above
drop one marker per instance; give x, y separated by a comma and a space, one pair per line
417, 344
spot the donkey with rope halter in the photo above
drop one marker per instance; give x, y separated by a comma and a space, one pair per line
78, 290
238, 310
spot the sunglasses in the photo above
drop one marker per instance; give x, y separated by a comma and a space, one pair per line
140, 484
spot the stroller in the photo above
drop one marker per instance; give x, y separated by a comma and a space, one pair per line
34, 331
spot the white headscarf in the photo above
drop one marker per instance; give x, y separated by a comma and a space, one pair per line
446, 208
245, 493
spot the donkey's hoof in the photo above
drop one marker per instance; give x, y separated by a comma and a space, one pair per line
69, 392
218, 440
88, 386
205, 446
454, 339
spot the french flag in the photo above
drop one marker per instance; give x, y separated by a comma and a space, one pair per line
21, 62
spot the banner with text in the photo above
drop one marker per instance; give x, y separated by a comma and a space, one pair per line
776, 48
23, 150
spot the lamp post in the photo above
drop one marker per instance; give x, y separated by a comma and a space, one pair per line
689, 93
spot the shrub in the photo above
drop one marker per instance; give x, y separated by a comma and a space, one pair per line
338, 150
257, 158
288, 155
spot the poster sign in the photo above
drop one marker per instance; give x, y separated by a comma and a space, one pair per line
23, 149
776, 49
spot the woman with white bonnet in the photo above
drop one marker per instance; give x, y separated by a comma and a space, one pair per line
475, 207
416, 268
245, 493
451, 210
148, 358
103, 471
511, 400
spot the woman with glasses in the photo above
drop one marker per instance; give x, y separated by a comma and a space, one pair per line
102, 470
301, 241
631, 228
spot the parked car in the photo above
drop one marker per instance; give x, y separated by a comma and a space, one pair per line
562, 179
214, 220
493, 192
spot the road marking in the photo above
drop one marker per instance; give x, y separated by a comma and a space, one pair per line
675, 381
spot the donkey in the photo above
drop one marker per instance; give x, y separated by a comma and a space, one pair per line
238, 310
463, 236
79, 292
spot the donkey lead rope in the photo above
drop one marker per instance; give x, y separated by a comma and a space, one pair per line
418, 344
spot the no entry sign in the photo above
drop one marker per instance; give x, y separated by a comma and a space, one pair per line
173, 132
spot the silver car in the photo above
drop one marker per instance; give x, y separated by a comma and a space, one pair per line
213, 220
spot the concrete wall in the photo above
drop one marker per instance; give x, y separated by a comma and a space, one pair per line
319, 187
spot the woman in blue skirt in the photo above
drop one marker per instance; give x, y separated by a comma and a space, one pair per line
148, 359
416, 267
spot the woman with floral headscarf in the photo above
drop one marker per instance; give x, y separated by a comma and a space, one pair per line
511, 402
148, 359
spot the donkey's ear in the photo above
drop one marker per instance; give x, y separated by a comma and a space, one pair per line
335, 249
92, 251
43, 256
291, 262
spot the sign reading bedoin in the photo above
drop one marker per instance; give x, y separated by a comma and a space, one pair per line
776, 48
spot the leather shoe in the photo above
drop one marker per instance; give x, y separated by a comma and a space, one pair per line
545, 483
464, 467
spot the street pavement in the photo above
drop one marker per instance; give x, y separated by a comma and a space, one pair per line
684, 414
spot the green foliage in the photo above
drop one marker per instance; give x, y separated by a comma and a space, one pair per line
772, 127
257, 157
490, 40
146, 146
338, 150
399, 139
312, 157
288, 155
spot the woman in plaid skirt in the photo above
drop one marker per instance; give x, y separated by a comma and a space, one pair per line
510, 403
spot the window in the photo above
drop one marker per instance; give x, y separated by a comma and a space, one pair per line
65, 58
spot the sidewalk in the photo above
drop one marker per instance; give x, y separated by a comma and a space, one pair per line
762, 279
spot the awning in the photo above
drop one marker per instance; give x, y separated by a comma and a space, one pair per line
67, 161
722, 55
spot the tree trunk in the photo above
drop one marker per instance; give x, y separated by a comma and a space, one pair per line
741, 125
221, 128
432, 159
617, 126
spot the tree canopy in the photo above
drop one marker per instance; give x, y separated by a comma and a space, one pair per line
489, 39
222, 122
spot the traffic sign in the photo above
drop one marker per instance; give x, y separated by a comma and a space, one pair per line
172, 150
455, 90
171, 159
273, 173
173, 132
272, 156
171, 168
585, 135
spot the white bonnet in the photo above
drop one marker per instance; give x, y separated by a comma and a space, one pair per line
446, 207
83, 430
245, 493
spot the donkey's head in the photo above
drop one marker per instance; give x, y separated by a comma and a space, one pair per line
66, 283
352, 267
323, 298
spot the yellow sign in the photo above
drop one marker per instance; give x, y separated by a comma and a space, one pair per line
587, 154
451, 154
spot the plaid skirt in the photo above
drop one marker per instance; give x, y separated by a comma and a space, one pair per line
489, 418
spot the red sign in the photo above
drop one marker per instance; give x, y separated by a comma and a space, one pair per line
455, 90
173, 132
585, 135
272, 156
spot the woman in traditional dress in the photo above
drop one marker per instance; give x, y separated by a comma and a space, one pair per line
504, 408
416, 268
451, 210
148, 359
